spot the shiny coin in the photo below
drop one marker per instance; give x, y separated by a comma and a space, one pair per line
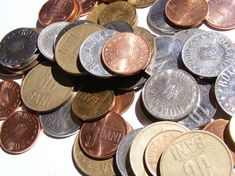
128, 127
170, 94
120, 26
90, 53
202, 53
141, 140
167, 56
184, 35
45, 88
224, 89
231, 129
94, 14
100, 139
19, 132
141, 3
86, 6
196, 153
126, 54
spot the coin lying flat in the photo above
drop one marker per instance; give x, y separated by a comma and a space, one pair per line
184, 35
120, 26
141, 3
94, 14
86, 6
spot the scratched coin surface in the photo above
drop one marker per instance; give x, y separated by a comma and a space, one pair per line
206, 54
196, 153
19, 132
184, 35
100, 139
141, 140
170, 95
45, 88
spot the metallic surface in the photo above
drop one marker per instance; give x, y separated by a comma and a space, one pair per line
141, 3
94, 14
86, 6
120, 26
231, 130
184, 35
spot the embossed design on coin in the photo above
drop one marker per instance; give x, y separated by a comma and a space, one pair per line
170, 94
94, 14
184, 35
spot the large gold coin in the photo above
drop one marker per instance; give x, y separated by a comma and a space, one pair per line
90, 166
196, 153
94, 14
118, 11
141, 3
45, 88
67, 48
141, 140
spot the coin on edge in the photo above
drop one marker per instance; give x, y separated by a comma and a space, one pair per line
231, 129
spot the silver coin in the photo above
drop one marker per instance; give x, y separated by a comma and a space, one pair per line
205, 110
90, 53
60, 123
170, 94
46, 39
225, 90
122, 154
206, 54
156, 19
168, 54
184, 35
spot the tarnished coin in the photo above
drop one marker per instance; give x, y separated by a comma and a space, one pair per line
126, 53
196, 153
167, 56
156, 19
94, 14
206, 54
141, 140
231, 129
91, 166
122, 154
19, 132
120, 26
90, 53
141, 3
45, 88
205, 110
86, 6
46, 39
184, 35
100, 139
170, 94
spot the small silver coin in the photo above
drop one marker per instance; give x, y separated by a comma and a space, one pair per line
46, 39
206, 54
122, 154
168, 55
225, 90
90, 53
156, 19
170, 94
205, 110
60, 123
184, 35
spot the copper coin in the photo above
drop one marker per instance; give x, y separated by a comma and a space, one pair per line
186, 13
100, 139
19, 132
221, 14
126, 53
218, 127
9, 98
75, 13
86, 6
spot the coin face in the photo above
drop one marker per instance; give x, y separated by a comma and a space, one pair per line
86, 6
94, 14
184, 35
196, 153
170, 94
141, 3
206, 54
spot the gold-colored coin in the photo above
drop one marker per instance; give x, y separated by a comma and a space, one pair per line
45, 88
90, 104
232, 129
196, 153
118, 11
90, 166
67, 48
141, 140
141, 3
94, 14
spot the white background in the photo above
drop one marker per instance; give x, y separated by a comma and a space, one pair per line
52, 157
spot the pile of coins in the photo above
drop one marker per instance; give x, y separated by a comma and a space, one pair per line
83, 75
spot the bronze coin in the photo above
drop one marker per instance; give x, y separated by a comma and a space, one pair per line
19, 132
9, 98
126, 53
86, 6
186, 13
75, 13
100, 139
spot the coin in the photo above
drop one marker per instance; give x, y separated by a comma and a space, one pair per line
184, 35
141, 3
92, 103
141, 140
90, 166
126, 54
94, 14
128, 127
47, 92
122, 157
100, 139
19, 132
202, 54
86, 6
167, 56
170, 95
231, 129
90, 53
186, 13
221, 14
120, 26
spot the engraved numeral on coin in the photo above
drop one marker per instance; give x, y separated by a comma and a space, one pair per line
48, 84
